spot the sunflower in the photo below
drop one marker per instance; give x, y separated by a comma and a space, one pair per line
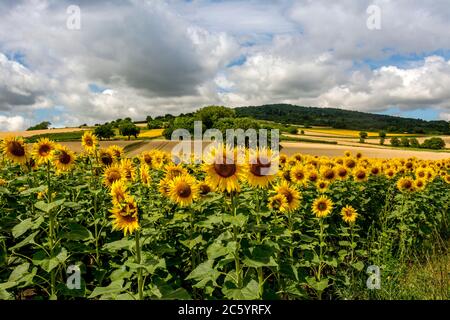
144, 174
342, 172
360, 174
223, 168
116, 151
292, 196
112, 173
14, 149
420, 184
349, 214
173, 171
147, 157
322, 207
390, 173
421, 173
350, 163
63, 158
205, 188
118, 193
283, 160
285, 174
328, 174
106, 157
128, 169
375, 170
358, 155
312, 175
42, 150
347, 154
89, 141
183, 190
125, 218
261, 167
405, 184
447, 178
164, 187
278, 202
322, 185
298, 174
3, 182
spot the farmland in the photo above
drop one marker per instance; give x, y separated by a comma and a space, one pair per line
140, 225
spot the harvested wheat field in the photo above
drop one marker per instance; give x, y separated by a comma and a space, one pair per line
31, 133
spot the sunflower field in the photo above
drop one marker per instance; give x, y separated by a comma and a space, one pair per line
150, 227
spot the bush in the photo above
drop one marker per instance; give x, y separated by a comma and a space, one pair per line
414, 143
404, 142
104, 131
395, 142
41, 126
292, 130
433, 143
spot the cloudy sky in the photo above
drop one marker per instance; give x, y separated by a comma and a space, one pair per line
136, 58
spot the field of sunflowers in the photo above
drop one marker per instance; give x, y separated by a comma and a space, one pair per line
150, 227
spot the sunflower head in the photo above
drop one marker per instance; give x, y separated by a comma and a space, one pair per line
125, 217
144, 174
328, 173
223, 169
349, 214
342, 172
322, 185
119, 193
116, 151
42, 150
63, 158
405, 184
106, 157
298, 174
292, 196
14, 149
173, 171
360, 174
128, 169
112, 173
420, 184
279, 203
261, 168
89, 141
322, 207
183, 190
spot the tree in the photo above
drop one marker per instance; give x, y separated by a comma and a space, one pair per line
414, 143
154, 124
404, 142
382, 135
129, 129
395, 142
433, 143
292, 130
302, 131
148, 119
104, 131
209, 115
362, 136
40, 126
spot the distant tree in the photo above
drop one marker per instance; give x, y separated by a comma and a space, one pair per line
148, 119
154, 124
292, 130
105, 131
362, 136
40, 126
414, 143
433, 143
129, 129
186, 123
404, 142
302, 131
209, 115
382, 135
395, 142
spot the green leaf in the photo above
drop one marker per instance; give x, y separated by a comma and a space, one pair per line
204, 273
319, 286
216, 250
260, 256
118, 245
25, 225
358, 265
19, 272
77, 232
249, 292
177, 294
24, 242
114, 287
191, 243
48, 264
47, 207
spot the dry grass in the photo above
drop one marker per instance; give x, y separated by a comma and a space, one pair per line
37, 132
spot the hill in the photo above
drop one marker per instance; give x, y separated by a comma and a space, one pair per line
341, 119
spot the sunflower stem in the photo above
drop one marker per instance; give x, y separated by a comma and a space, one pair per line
237, 262
138, 261
51, 231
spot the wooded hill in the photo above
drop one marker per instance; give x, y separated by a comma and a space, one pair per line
341, 119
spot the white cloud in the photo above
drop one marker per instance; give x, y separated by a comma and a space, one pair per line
15, 123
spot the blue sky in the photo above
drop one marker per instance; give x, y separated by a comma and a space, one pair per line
139, 58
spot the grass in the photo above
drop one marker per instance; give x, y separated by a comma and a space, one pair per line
354, 133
